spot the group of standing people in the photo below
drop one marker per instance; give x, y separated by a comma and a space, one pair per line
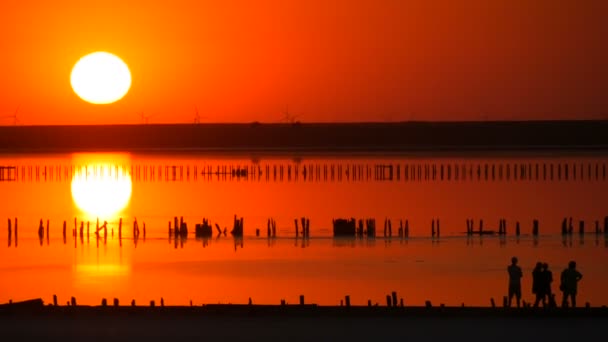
542, 278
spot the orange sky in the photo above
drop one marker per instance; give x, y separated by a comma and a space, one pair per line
339, 60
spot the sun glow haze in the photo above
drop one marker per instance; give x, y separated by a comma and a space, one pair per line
100, 186
100, 78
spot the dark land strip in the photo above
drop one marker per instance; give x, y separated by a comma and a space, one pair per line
299, 323
311, 137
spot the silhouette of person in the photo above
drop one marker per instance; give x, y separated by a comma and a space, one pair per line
547, 280
569, 280
515, 275
538, 284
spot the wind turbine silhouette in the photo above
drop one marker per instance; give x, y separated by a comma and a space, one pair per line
197, 116
145, 119
288, 117
14, 117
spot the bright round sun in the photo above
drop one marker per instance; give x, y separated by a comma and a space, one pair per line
100, 78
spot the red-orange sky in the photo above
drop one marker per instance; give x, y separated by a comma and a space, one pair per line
329, 60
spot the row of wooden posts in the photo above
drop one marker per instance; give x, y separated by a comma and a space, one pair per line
320, 171
349, 227
104, 302
204, 230
566, 229
100, 230
392, 300
341, 227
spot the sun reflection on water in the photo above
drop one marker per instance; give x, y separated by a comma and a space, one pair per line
101, 184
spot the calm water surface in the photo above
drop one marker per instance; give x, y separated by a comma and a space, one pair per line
154, 188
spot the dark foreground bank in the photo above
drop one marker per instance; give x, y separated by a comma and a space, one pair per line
335, 137
300, 323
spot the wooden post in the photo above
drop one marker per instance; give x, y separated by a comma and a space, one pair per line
581, 227
41, 231
307, 228
54, 300
369, 302
296, 223
388, 300
438, 228
115, 302
394, 295
301, 299
64, 231
385, 227
493, 303
152, 303
162, 302
104, 302
347, 300
401, 302
268, 230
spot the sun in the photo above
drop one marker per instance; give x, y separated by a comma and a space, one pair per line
100, 78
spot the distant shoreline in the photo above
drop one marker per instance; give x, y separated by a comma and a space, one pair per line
37, 307
338, 138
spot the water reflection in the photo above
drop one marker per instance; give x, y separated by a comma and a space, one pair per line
450, 225
99, 187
